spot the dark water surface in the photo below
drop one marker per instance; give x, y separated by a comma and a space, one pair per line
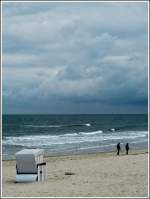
65, 134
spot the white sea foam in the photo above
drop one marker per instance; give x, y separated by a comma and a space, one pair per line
94, 147
44, 126
56, 126
87, 124
90, 133
69, 135
51, 139
72, 138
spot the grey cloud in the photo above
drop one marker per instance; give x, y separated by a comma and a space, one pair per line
75, 54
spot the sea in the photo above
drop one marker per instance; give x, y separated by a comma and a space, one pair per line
73, 134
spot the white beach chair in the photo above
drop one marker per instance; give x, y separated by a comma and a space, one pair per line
30, 166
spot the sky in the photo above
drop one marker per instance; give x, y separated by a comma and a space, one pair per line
74, 58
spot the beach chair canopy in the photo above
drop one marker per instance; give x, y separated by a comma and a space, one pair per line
30, 166
27, 160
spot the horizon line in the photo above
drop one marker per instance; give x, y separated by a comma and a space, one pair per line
74, 113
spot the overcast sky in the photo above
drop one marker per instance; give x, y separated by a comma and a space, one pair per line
75, 57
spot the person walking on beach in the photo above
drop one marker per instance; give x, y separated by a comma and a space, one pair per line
118, 148
127, 148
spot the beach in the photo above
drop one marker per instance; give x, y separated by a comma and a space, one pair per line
93, 175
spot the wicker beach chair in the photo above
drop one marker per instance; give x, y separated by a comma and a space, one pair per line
30, 166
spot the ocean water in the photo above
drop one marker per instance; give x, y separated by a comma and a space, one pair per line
72, 134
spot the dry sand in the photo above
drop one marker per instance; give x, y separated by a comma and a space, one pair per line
95, 175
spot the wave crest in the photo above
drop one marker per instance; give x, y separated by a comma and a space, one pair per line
57, 126
72, 138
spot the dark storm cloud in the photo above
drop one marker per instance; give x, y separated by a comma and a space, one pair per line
75, 55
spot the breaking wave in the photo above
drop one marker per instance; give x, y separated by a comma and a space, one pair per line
71, 138
56, 126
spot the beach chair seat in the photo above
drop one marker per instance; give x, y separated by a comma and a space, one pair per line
30, 166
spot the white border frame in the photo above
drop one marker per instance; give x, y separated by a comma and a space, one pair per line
1, 102
148, 70
75, 1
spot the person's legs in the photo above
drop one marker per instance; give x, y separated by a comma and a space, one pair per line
118, 152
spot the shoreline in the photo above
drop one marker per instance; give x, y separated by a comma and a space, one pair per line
102, 174
81, 153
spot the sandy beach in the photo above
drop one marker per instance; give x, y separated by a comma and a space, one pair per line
94, 175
